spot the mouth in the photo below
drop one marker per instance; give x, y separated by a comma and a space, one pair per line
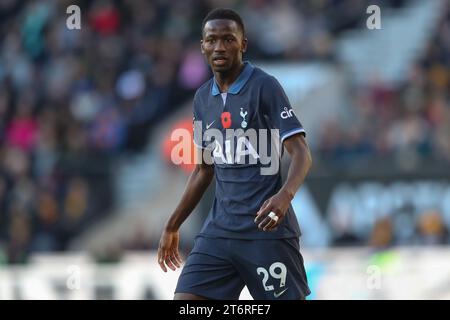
220, 60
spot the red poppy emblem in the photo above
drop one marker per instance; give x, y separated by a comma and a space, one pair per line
226, 120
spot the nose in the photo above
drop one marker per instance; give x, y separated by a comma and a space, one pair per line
220, 46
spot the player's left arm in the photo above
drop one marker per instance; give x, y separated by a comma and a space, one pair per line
301, 162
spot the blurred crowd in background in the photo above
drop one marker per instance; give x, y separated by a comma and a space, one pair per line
409, 124
73, 102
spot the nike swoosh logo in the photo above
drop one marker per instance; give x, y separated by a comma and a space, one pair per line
209, 125
277, 295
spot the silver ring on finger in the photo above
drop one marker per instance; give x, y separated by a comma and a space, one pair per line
272, 215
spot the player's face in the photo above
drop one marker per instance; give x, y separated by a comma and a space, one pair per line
223, 44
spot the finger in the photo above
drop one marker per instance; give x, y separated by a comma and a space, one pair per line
262, 213
169, 263
272, 226
178, 256
264, 205
269, 226
264, 223
276, 223
174, 260
161, 261
259, 218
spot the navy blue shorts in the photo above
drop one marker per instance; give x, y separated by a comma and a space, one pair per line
219, 268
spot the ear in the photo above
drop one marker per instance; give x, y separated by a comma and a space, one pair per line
244, 45
201, 47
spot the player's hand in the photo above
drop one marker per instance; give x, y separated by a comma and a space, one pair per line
278, 204
168, 250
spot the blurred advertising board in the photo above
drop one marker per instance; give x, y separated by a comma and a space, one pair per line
338, 273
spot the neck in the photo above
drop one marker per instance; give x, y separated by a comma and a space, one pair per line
225, 79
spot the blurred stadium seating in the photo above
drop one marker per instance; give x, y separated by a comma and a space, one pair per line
85, 117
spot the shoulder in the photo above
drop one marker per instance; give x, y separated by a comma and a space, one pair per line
268, 86
263, 79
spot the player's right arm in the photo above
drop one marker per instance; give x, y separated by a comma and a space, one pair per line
198, 182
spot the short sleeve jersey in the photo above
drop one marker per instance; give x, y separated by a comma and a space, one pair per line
244, 130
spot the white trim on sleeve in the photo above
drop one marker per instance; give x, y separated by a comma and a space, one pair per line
291, 133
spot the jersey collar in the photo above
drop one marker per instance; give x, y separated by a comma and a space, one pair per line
239, 83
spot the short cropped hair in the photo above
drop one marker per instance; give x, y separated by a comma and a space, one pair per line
227, 14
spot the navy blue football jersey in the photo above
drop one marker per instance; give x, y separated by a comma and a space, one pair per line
244, 129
